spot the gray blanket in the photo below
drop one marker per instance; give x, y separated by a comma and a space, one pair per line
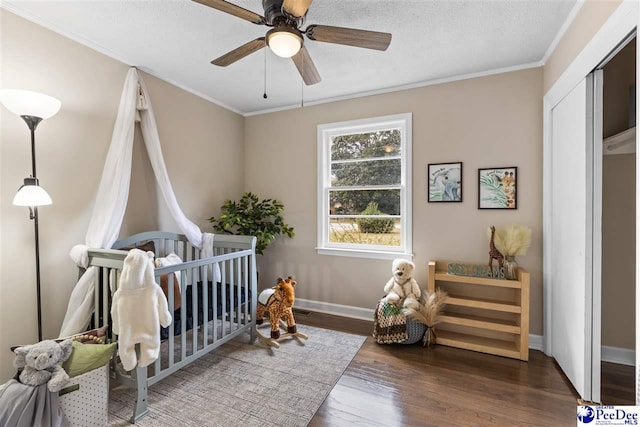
26, 406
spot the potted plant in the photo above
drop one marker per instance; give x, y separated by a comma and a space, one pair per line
251, 216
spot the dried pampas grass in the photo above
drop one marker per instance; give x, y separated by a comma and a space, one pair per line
512, 240
428, 313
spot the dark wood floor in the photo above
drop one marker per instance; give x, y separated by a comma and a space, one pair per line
408, 385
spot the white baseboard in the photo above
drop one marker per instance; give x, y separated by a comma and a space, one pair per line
535, 342
335, 309
622, 356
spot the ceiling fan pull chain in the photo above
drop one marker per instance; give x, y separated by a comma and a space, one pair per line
264, 95
302, 88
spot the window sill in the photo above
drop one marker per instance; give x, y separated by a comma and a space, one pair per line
364, 254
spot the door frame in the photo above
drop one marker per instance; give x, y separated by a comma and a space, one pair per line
622, 22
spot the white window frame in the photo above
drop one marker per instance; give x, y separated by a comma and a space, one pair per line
326, 132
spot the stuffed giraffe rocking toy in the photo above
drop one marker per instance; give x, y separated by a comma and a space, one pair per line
494, 253
278, 302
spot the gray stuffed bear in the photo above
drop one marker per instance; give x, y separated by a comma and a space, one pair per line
42, 363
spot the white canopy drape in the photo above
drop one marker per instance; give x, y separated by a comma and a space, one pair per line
112, 195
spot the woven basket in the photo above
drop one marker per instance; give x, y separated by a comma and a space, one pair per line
391, 326
415, 331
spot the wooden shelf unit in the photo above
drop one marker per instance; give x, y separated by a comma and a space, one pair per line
482, 316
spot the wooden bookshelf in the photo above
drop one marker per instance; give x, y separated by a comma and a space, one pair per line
486, 324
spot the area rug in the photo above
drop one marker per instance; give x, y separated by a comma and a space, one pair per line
243, 384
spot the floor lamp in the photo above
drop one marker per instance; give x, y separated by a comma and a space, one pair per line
33, 107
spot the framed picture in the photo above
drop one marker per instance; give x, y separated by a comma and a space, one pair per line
445, 182
498, 188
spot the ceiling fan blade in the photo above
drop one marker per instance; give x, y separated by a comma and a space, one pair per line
297, 8
240, 52
234, 10
349, 36
306, 67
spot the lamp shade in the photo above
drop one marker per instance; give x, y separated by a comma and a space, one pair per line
29, 103
31, 194
284, 41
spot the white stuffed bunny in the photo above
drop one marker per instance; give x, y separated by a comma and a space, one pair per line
137, 309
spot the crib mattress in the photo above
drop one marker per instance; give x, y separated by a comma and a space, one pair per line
189, 321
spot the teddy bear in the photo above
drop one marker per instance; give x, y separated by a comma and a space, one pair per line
138, 306
402, 288
42, 363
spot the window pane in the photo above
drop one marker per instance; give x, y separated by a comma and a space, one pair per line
366, 145
354, 202
348, 231
370, 172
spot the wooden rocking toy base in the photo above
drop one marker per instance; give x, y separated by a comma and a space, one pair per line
274, 342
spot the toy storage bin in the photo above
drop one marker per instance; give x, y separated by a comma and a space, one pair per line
391, 326
85, 400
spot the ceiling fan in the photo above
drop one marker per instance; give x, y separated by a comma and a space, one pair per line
285, 38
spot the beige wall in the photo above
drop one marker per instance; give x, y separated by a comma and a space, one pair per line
592, 15
619, 75
484, 122
202, 144
618, 251
618, 209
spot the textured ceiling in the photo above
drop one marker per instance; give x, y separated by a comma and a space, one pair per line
432, 40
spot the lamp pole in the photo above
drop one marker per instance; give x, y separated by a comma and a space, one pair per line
32, 123
33, 107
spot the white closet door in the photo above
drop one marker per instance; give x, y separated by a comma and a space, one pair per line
576, 325
637, 219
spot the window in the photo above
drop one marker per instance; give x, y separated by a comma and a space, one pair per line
364, 187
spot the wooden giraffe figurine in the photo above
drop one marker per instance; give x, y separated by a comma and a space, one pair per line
494, 253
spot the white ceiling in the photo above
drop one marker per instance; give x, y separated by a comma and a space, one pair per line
432, 40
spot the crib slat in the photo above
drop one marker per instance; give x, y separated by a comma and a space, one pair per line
205, 305
232, 285
223, 295
106, 294
183, 318
170, 278
96, 295
239, 292
157, 365
196, 317
214, 295
245, 281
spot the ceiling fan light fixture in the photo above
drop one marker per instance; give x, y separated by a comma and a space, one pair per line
284, 41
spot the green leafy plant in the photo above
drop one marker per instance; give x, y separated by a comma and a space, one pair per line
374, 225
251, 216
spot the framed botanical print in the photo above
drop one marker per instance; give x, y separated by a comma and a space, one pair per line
445, 182
498, 188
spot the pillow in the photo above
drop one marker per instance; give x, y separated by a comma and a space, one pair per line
171, 259
87, 357
144, 247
